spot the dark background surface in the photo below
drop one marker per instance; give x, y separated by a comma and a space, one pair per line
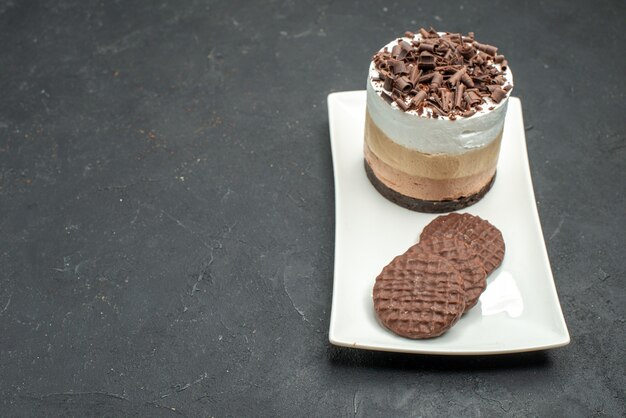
167, 221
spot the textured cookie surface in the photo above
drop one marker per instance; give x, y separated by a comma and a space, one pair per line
479, 234
419, 294
464, 259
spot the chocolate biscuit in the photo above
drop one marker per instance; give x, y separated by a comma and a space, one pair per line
464, 259
479, 234
419, 294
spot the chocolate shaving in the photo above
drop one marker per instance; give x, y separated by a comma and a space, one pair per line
438, 111
447, 100
426, 77
433, 33
488, 49
403, 84
467, 80
436, 81
472, 97
458, 98
498, 94
426, 61
395, 51
467, 51
426, 46
448, 75
454, 80
401, 104
419, 97
388, 84
414, 75
386, 97
398, 67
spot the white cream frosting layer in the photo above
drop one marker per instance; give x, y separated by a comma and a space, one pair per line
430, 135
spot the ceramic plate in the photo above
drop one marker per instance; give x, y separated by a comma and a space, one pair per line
519, 311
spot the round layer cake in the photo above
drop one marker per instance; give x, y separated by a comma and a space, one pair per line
436, 103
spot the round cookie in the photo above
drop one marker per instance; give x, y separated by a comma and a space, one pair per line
464, 259
419, 294
479, 234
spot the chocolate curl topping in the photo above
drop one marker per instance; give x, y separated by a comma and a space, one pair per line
386, 97
458, 97
436, 81
454, 80
426, 77
419, 98
403, 84
406, 46
447, 99
467, 51
400, 102
427, 46
433, 33
472, 97
498, 94
454, 38
426, 61
398, 67
467, 80
388, 84
488, 49
395, 51
414, 74
441, 76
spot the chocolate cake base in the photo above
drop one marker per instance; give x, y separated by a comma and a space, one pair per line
426, 206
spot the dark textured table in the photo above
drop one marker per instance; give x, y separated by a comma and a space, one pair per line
167, 220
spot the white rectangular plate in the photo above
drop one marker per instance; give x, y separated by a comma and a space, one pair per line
520, 309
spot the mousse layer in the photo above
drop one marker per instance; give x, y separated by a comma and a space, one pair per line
439, 166
426, 188
428, 206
